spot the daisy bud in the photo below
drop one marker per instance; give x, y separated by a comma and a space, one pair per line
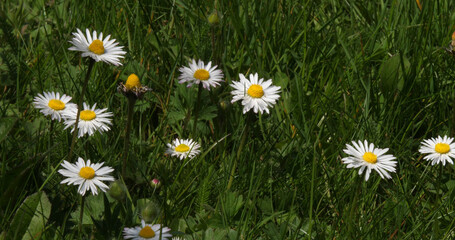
213, 18
224, 104
150, 212
117, 190
155, 183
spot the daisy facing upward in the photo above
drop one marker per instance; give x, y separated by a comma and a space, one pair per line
88, 175
200, 73
52, 104
366, 157
255, 93
90, 120
183, 148
96, 47
439, 150
147, 232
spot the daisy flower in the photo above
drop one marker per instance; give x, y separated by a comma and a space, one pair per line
200, 73
366, 156
147, 232
255, 94
52, 104
90, 120
183, 148
88, 176
439, 150
95, 47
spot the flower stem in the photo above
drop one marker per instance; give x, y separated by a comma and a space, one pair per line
453, 117
131, 102
81, 216
353, 210
239, 151
79, 106
196, 109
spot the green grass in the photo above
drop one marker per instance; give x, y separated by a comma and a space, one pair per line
289, 180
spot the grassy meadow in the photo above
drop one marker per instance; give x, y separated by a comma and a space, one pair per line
348, 71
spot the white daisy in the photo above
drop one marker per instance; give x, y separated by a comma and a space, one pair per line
183, 148
87, 175
147, 232
52, 104
90, 120
255, 94
367, 157
439, 149
95, 47
199, 73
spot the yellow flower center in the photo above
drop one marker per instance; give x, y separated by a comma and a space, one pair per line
87, 173
442, 148
147, 232
255, 91
132, 82
96, 47
201, 74
87, 115
370, 157
182, 148
56, 104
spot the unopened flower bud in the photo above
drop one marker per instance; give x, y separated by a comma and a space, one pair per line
117, 190
150, 212
155, 183
213, 18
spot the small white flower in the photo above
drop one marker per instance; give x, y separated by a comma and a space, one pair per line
199, 73
183, 148
95, 47
147, 232
88, 176
90, 120
366, 156
52, 104
439, 150
255, 94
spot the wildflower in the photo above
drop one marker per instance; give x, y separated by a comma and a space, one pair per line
88, 176
148, 232
200, 73
255, 94
439, 150
183, 148
52, 104
366, 156
133, 87
90, 120
95, 47
155, 183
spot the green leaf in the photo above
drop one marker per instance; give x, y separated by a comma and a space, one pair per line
280, 79
30, 218
6, 125
93, 209
232, 203
391, 73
